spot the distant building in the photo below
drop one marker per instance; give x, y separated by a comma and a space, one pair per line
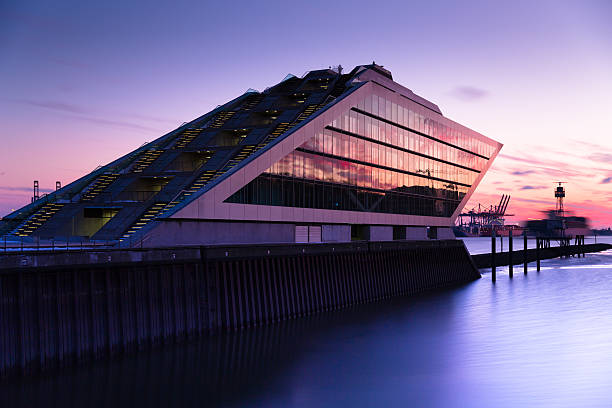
326, 157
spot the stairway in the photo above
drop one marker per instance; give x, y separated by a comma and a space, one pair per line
186, 137
201, 181
37, 219
221, 118
251, 102
149, 215
242, 154
279, 130
146, 159
99, 185
310, 109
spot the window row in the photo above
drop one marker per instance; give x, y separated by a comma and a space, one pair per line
269, 189
403, 115
349, 147
381, 131
314, 167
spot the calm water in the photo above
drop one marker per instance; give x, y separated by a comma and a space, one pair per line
543, 340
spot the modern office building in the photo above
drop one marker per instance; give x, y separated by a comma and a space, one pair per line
328, 157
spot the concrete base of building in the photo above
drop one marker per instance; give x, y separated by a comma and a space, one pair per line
336, 233
416, 233
109, 302
173, 232
445, 233
381, 233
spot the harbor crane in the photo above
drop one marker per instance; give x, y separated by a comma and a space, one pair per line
491, 217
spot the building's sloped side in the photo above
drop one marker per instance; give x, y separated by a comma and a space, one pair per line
62, 213
116, 201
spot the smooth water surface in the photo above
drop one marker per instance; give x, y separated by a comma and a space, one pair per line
542, 339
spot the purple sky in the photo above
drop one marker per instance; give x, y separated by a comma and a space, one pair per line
83, 83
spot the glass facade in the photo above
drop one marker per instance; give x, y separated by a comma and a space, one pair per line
378, 157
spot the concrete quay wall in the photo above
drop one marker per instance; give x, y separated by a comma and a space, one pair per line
60, 309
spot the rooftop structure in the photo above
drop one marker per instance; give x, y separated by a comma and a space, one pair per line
330, 156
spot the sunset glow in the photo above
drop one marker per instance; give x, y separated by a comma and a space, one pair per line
86, 84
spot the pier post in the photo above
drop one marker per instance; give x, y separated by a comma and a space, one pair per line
525, 252
576, 245
538, 245
510, 269
493, 271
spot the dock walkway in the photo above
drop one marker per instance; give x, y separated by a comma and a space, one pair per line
483, 261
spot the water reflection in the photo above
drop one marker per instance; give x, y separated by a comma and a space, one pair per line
544, 339
235, 367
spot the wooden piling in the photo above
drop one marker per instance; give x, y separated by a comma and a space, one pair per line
493, 265
525, 252
510, 266
539, 243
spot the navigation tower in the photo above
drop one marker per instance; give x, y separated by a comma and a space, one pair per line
560, 195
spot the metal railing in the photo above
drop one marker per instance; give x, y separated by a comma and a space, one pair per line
16, 245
